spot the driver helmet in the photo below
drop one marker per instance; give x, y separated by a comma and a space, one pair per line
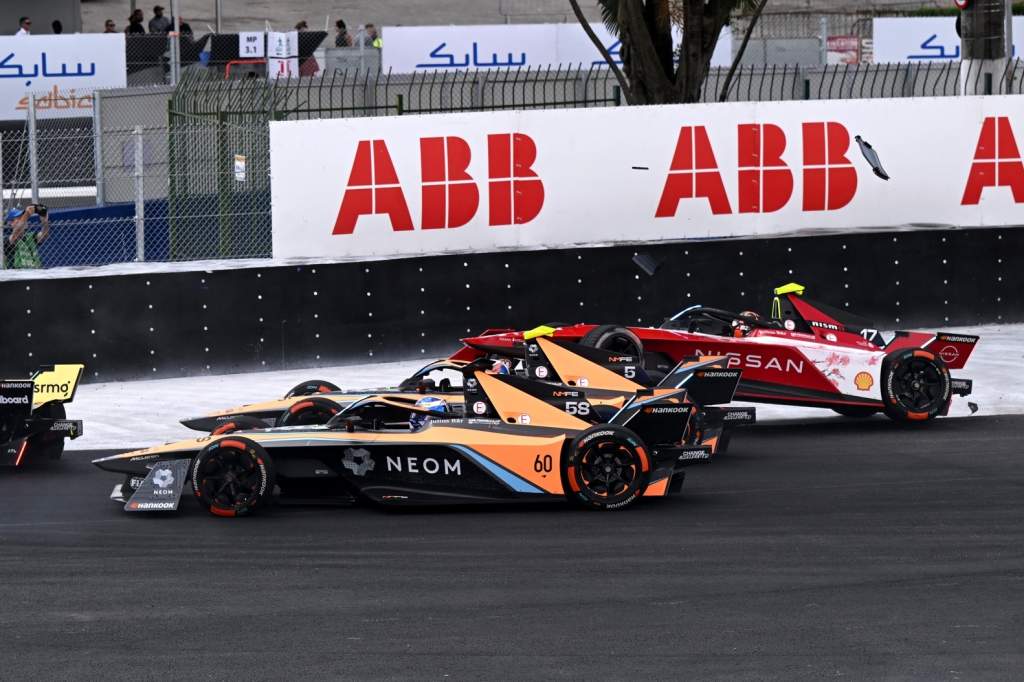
433, 405
742, 325
500, 366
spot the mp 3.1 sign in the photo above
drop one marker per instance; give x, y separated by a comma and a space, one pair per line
380, 187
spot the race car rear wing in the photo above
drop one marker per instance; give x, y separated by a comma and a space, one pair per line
954, 349
21, 420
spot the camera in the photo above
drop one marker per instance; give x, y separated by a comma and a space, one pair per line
41, 209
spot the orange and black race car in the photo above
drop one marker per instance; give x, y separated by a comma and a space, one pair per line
33, 423
530, 441
315, 401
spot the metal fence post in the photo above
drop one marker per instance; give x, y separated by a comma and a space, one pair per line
2, 211
140, 199
97, 148
33, 152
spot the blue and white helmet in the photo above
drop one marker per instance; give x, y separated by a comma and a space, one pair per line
433, 405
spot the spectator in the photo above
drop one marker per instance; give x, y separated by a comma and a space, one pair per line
135, 23
109, 26
57, 27
159, 23
343, 39
24, 27
302, 26
21, 249
371, 38
185, 29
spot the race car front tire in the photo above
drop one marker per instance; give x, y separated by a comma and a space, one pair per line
616, 339
607, 468
311, 387
240, 423
915, 385
311, 411
233, 476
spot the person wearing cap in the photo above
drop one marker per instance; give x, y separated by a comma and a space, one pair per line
135, 23
159, 23
21, 249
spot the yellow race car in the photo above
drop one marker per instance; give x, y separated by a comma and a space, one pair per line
33, 422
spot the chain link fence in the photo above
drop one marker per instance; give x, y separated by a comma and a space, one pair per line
175, 174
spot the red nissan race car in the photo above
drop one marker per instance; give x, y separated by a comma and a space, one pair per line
805, 353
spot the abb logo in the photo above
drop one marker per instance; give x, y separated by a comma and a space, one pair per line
450, 195
997, 162
765, 180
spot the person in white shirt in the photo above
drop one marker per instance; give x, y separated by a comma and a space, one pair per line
24, 27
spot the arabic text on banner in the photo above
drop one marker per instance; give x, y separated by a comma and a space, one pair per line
62, 71
502, 46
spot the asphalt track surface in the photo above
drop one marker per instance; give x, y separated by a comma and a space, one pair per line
835, 548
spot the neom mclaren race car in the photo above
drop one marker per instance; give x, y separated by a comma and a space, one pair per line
317, 401
531, 441
33, 423
805, 353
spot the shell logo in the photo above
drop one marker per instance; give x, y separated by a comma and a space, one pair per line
863, 381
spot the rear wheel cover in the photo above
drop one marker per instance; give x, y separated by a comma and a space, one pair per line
915, 385
608, 467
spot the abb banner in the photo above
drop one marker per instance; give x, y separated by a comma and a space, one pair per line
421, 185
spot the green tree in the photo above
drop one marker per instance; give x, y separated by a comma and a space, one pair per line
650, 73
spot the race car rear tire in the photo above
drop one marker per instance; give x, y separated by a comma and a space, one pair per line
607, 468
915, 385
617, 339
240, 423
311, 387
47, 445
311, 411
855, 411
233, 476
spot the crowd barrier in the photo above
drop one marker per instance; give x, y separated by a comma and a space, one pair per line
166, 324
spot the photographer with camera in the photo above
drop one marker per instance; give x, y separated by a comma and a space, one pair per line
21, 248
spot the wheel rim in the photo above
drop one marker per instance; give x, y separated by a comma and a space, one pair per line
231, 479
608, 469
917, 384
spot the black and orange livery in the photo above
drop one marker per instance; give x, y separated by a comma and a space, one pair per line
602, 451
33, 423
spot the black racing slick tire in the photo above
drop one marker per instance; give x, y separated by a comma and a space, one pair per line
233, 476
311, 387
311, 411
47, 445
915, 385
240, 423
617, 339
855, 411
607, 468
